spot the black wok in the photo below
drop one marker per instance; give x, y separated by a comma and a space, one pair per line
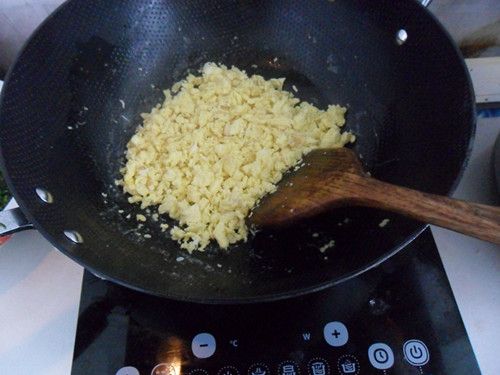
64, 130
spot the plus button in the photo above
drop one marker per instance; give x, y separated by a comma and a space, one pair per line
335, 334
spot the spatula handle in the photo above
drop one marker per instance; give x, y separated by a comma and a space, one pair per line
473, 219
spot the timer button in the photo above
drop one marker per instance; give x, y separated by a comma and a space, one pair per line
381, 356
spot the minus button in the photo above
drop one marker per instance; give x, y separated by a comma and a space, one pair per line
203, 345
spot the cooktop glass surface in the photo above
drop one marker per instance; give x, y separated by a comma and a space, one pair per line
398, 318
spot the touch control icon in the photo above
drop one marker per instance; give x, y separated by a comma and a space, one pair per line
259, 369
128, 370
198, 371
203, 345
318, 366
348, 364
381, 356
416, 352
228, 370
335, 334
288, 368
163, 369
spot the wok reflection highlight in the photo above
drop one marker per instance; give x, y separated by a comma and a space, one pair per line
169, 357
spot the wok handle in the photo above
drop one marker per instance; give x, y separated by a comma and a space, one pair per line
12, 221
473, 219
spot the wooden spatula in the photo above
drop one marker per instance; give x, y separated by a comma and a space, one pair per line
334, 177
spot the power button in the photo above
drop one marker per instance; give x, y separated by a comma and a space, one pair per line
416, 352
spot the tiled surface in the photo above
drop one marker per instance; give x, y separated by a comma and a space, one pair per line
18, 18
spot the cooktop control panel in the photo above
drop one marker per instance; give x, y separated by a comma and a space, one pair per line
310, 352
398, 318
334, 359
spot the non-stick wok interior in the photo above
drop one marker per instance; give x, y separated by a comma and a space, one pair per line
75, 96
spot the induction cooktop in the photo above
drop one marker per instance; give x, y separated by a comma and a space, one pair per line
398, 318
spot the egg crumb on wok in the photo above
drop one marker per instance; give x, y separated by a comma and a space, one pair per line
220, 142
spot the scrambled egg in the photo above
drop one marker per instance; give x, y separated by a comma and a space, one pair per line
218, 144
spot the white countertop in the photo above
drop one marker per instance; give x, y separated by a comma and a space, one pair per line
40, 288
473, 266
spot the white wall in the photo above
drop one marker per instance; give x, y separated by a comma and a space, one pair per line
18, 19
